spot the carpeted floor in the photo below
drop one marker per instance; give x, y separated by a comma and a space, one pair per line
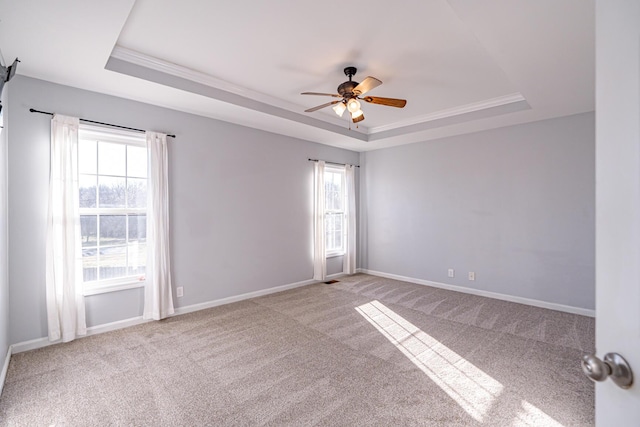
364, 351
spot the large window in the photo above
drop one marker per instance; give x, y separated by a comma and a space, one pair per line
112, 179
334, 210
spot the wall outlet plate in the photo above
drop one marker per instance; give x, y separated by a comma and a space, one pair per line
451, 272
472, 275
180, 291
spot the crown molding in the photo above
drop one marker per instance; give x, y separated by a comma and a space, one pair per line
452, 112
153, 63
247, 98
150, 62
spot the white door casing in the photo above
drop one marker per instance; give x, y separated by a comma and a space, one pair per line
618, 203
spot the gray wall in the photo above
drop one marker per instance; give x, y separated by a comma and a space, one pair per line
4, 257
241, 205
515, 205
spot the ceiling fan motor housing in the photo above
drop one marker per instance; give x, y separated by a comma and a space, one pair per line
346, 89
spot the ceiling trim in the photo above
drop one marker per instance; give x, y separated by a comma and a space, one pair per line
185, 84
451, 112
176, 70
143, 66
452, 120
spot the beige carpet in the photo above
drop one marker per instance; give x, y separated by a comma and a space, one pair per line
364, 351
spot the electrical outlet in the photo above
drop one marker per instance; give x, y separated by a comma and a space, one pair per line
452, 273
180, 291
472, 275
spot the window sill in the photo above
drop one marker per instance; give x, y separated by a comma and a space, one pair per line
335, 255
95, 290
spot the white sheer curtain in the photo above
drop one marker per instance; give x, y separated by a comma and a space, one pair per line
349, 260
65, 301
158, 300
319, 251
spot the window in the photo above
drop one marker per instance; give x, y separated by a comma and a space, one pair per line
112, 181
334, 210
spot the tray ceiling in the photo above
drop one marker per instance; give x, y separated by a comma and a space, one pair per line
462, 66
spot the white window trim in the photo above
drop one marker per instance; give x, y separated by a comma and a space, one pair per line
335, 254
119, 136
116, 136
105, 286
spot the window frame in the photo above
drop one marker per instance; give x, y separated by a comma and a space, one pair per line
122, 137
342, 171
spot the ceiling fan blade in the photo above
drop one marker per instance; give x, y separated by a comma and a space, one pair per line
322, 94
311, 110
366, 85
391, 102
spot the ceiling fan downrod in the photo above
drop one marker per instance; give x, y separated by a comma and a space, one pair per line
346, 88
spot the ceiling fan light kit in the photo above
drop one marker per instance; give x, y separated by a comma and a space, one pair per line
358, 116
353, 105
340, 108
350, 92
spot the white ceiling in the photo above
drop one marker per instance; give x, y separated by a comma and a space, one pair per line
462, 65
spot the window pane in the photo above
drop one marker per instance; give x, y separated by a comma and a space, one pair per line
90, 264
337, 234
335, 201
88, 185
336, 180
137, 260
89, 230
136, 192
113, 230
137, 228
112, 192
333, 191
328, 199
113, 262
87, 157
328, 232
333, 232
136, 161
339, 200
112, 159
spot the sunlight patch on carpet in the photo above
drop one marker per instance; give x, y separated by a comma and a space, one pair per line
532, 416
468, 386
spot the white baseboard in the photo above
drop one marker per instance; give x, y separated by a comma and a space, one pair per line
107, 327
5, 368
495, 295
241, 297
92, 330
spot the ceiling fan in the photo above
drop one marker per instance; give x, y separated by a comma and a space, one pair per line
351, 92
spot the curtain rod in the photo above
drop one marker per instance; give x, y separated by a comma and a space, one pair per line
98, 123
333, 163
